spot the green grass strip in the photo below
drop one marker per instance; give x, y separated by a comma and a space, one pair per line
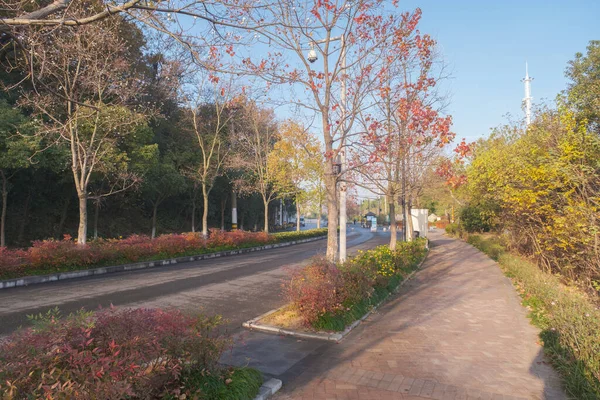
228, 384
337, 322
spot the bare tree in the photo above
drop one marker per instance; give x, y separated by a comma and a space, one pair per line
84, 81
350, 38
210, 117
255, 135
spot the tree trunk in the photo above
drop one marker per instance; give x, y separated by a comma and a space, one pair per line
393, 229
205, 211
409, 223
320, 211
297, 215
4, 203
194, 207
266, 204
82, 231
154, 212
96, 212
332, 217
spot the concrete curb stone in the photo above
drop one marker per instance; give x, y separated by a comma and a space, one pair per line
253, 324
268, 389
60, 276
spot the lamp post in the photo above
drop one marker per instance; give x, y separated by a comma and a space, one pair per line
312, 57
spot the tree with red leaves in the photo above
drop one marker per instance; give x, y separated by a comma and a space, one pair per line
405, 129
362, 33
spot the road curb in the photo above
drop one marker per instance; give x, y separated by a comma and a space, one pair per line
61, 276
253, 324
268, 389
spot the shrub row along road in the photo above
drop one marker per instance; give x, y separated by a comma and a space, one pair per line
237, 287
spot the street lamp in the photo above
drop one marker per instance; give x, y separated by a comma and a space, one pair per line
312, 56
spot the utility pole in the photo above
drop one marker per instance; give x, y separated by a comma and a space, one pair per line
527, 99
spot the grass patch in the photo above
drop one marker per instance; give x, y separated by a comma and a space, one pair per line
286, 317
569, 320
228, 384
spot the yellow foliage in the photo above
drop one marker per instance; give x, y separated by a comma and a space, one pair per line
543, 186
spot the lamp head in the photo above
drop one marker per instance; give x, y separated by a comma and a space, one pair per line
312, 55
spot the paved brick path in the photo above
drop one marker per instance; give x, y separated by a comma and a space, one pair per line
456, 331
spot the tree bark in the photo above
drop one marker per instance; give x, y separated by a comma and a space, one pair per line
393, 229
297, 215
266, 204
154, 212
4, 203
205, 210
332, 217
82, 231
409, 223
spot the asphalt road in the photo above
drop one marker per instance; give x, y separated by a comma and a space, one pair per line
236, 287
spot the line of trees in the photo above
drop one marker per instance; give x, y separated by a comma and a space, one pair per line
151, 104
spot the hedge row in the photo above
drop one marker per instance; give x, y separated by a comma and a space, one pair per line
569, 320
134, 354
50, 256
329, 296
299, 235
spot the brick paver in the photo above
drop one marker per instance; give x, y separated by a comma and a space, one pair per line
456, 331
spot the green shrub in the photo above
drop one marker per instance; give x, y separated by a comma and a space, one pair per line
569, 320
473, 219
453, 229
330, 296
298, 235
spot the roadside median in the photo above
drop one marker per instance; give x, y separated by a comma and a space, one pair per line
327, 301
39, 273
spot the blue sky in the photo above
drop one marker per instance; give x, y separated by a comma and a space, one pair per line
486, 44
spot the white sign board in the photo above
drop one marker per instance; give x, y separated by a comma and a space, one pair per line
419, 220
373, 223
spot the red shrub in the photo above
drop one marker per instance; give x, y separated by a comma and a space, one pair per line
54, 254
12, 260
112, 355
237, 238
316, 289
48, 254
